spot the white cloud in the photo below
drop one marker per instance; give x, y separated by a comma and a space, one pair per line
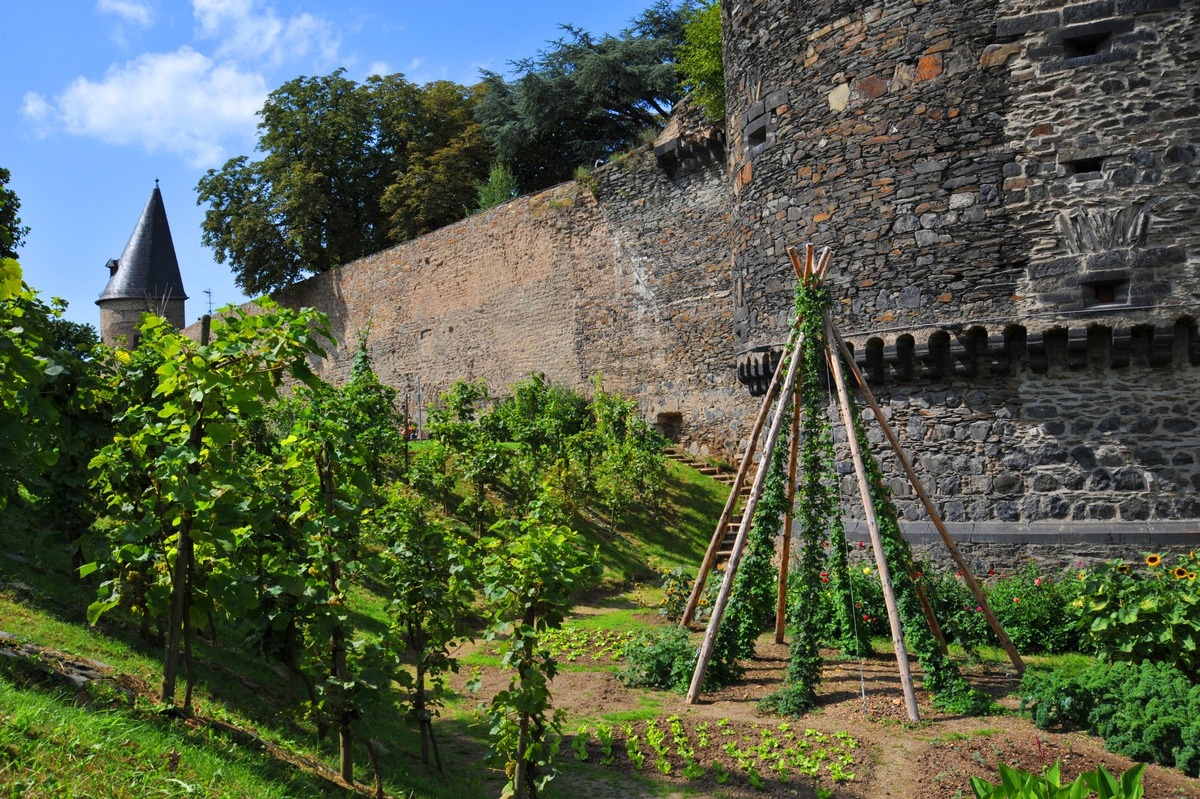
248, 30
35, 108
131, 11
381, 68
180, 102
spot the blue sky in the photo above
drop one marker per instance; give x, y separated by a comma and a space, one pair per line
100, 97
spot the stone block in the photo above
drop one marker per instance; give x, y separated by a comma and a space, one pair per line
1085, 12
872, 87
995, 55
1012, 27
839, 98
1129, 478
929, 67
1008, 483
1146, 6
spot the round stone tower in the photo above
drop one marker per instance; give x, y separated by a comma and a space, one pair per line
145, 279
1010, 189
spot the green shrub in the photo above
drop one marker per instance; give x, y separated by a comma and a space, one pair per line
1146, 711
664, 658
958, 612
501, 186
1152, 611
677, 587
1036, 611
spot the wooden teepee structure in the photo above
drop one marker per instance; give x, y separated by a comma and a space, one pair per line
782, 388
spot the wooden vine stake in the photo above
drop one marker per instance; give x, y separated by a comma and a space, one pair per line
955, 555
864, 490
714, 622
803, 271
710, 556
777, 395
785, 545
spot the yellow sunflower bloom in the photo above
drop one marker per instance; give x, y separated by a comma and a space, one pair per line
1191, 575
1153, 560
1124, 567
1180, 573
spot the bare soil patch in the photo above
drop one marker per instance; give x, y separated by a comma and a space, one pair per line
933, 758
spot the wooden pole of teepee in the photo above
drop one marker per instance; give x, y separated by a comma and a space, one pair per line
710, 556
864, 490
714, 622
961, 562
785, 546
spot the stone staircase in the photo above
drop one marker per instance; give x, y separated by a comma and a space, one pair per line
727, 477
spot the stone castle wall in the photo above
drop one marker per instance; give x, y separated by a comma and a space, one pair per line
625, 277
1010, 190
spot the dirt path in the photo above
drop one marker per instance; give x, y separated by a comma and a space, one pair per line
933, 758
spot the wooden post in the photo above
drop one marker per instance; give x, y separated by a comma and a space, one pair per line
710, 556
786, 545
961, 562
714, 622
885, 576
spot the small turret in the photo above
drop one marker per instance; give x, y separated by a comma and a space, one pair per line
144, 279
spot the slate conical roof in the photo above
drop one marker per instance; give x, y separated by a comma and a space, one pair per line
148, 268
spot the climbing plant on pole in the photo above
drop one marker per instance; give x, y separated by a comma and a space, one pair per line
951, 692
819, 518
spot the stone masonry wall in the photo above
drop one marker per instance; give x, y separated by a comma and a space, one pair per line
1095, 445
968, 162
119, 318
626, 277
1010, 191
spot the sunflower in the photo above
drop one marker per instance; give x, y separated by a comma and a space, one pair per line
1180, 572
1191, 575
1153, 560
1124, 567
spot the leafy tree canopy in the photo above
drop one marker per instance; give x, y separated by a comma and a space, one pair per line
700, 59
11, 230
583, 97
348, 169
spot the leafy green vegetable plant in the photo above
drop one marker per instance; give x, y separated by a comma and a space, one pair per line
1019, 784
580, 743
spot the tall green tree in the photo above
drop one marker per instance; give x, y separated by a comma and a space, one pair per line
348, 169
446, 158
583, 97
701, 62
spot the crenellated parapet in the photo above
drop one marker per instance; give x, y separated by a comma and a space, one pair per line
976, 352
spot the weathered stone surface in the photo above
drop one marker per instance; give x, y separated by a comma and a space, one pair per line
1014, 237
